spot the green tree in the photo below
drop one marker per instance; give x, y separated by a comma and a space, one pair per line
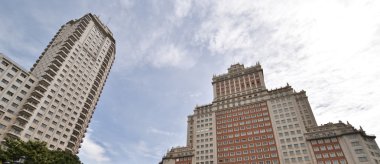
34, 152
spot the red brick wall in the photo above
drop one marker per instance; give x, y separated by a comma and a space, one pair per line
328, 150
245, 134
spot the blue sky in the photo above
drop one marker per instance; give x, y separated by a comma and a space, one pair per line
167, 52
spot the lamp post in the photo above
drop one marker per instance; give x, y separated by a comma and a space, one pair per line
22, 159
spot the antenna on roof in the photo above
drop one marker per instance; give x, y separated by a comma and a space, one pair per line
108, 21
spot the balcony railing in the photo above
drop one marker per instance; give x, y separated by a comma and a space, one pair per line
45, 83
34, 100
19, 126
23, 117
37, 94
54, 67
14, 133
80, 121
76, 132
27, 112
48, 77
30, 104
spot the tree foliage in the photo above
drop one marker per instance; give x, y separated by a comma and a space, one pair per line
34, 152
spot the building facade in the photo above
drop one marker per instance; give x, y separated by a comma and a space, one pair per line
291, 114
335, 143
16, 86
179, 155
247, 123
58, 96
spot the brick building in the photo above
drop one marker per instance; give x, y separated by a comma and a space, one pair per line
247, 123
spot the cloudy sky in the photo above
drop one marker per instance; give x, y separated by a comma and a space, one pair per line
167, 52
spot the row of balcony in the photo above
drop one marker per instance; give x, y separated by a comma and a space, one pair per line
48, 77
44, 83
23, 117
61, 55
72, 38
13, 133
77, 33
54, 66
65, 50
85, 110
37, 93
27, 112
41, 88
31, 103
19, 125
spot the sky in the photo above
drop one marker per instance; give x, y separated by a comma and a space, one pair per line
168, 51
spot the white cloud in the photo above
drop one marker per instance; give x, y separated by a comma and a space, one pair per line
195, 94
170, 55
141, 151
126, 4
160, 132
182, 8
329, 49
92, 152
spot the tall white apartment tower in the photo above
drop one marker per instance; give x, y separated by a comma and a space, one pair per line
68, 79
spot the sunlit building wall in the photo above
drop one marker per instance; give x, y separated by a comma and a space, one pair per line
68, 79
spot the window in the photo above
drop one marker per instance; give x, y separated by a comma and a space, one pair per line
43, 125
356, 143
363, 159
10, 111
5, 81
10, 93
323, 148
14, 69
18, 81
5, 99
359, 151
2, 126
31, 129
4, 63
27, 135
15, 105
10, 75
35, 121
14, 87
7, 118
